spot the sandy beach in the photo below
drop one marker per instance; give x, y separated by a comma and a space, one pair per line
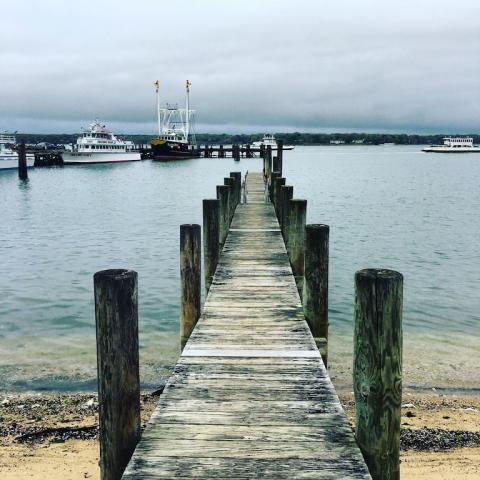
55, 436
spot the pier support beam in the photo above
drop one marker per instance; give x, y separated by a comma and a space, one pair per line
223, 192
279, 183
287, 195
22, 162
116, 318
230, 183
280, 156
297, 214
237, 176
315, 285
377, 369
211, 240
190, 279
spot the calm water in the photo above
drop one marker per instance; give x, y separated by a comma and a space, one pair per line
391, 207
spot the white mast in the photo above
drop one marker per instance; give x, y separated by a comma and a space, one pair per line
187, 109
157, 87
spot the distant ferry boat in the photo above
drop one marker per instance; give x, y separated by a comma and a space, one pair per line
8, 156
269, 139
454, 145
174, 136
98, 145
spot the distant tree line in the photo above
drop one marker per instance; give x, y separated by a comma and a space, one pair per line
295, 138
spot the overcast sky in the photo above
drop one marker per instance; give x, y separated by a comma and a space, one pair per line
255, 65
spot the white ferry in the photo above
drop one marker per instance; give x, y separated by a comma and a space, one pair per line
98, 145
269, 139
454, 145
8, 156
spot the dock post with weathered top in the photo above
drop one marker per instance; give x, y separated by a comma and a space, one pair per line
297, 214
377, 369
315, 285
116, 318
190, 279
223, 193
280, 156
237, 176
211, 239
287, 195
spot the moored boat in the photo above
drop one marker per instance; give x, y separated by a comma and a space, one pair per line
269, 139
174, 135
454, 145
99, 145
9, 156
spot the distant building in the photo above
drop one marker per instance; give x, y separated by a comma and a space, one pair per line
359, 141
337, 142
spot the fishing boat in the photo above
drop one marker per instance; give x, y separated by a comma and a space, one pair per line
454, 145
174, 130
269, 139
9, 156
99, 145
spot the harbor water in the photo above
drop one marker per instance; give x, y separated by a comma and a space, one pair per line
387, 206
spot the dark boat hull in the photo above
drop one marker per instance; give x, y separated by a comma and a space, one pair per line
169, 151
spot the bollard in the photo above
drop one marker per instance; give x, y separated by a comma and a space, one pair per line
280, 156
238, 186
222, 196
116, 318
287, 195
211, 241
315, 285
190, 279
22, 162
377, 369
297, 213
230, 182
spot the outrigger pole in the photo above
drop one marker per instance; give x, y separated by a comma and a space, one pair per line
157, 87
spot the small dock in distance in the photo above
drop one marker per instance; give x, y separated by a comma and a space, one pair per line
250, 396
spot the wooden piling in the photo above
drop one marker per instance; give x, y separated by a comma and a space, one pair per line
297, 213
315, 285
273, 177
230, 182
262, 150
190, 279
237, 176
22, 162
279, 183
377, 369
221, 153
280, 156
223, 192
276, 165
287, 195
211, 239
268, 155
116, 318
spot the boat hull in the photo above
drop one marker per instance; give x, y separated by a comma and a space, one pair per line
11, 163
451, 150
93, 158
169, 151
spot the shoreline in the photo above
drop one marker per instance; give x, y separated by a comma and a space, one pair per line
54, 435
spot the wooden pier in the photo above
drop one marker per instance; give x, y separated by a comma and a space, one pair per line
250, 396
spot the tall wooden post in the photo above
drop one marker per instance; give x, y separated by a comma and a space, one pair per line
276, 165
190, 279
296, 239
22, 162
273, 177
262, 150
221, 153
116, 318
237, 176
223, 192
287, 195
280, 156
377, 369
279, 183
230, 182
211, 240
269, 163
315, 285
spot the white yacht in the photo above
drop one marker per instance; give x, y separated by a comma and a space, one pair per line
98, 145
454, 145
9, 156
269, 139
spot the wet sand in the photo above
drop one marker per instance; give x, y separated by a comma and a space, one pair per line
55, 436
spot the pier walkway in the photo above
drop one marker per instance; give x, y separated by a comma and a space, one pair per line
250, 396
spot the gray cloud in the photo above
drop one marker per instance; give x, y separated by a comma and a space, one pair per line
308, 66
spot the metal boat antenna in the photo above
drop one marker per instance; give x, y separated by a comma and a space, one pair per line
188, 83
157, 88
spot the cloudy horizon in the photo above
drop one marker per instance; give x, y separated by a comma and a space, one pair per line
371, 66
